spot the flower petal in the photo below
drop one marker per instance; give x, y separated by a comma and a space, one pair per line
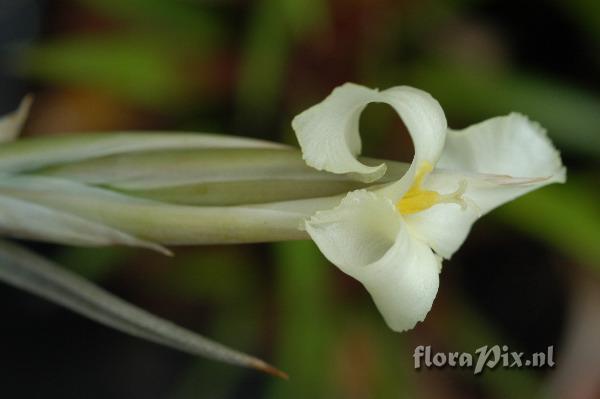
329, 137
11, 124
367, 239
498, 160
514, 153
424, 119
445, 226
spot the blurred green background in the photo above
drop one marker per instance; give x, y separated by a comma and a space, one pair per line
527, 277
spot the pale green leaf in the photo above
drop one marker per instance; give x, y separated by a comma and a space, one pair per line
12, 123
25, 270
163, 223
35, 153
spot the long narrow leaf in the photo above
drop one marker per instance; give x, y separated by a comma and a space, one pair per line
164, 223
25, 270
23, 219
231, 176
31, 154
12, 123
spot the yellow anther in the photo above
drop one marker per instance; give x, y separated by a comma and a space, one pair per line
416, 199
417, 202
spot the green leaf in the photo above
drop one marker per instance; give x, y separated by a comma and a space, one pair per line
24, 218
35, 153
136, 220
25, 270
207, 177
12, 123
187, 169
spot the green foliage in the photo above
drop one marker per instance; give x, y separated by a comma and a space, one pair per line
306, 335
175, 19
567, 217
274, 27
131, 67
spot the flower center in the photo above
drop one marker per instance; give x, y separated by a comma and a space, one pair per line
417, 199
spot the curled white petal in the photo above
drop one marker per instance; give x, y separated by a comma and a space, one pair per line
424, 118
367, 239
328, 132
329, 137
12, 123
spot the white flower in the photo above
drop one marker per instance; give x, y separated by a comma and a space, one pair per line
393, 237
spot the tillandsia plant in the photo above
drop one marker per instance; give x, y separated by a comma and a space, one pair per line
387, 224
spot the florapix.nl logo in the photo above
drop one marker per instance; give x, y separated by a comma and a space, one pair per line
485, 357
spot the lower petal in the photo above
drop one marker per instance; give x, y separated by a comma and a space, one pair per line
367, 239
443, 227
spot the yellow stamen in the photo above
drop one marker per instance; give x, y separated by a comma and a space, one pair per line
416, 199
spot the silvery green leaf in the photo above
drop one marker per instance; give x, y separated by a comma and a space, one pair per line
215, 176
145, 190
12, 123
159, 222
31, 154
27, 271
21, 218
164, 168
229, 176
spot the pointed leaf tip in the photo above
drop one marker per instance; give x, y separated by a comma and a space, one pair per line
267, 368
